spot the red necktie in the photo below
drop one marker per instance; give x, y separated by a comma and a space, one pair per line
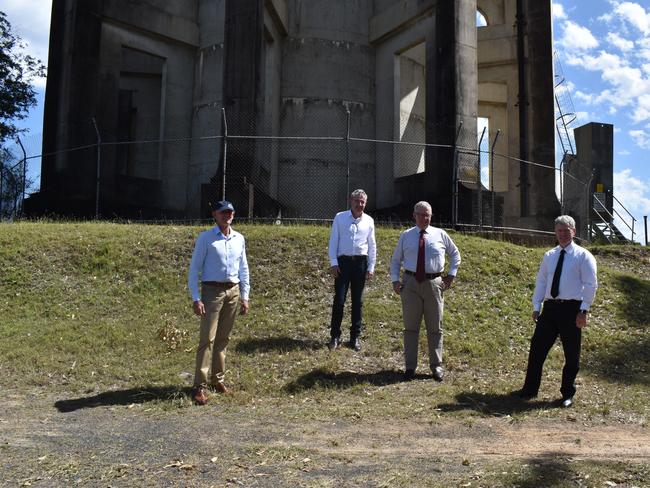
419, 270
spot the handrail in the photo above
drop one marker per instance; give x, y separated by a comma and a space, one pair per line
622, 206
610, 215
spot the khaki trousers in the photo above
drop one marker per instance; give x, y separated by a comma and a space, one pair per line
221, 304
422, 299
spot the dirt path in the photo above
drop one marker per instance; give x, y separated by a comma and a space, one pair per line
241, 445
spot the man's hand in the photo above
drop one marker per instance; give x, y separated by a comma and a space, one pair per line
244, 306
335, 271
535, 316
369, 275
581, 320
199, 308
397, 287
447, 281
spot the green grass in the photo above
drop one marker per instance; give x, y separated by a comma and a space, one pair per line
94, 308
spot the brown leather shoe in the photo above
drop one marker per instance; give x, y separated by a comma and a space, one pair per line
200, 395
221, 388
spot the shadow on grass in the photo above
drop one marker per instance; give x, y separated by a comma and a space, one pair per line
626, 361
123, 397
637, 295
623, 362
494, 404
549, 470
321, 378
281, 343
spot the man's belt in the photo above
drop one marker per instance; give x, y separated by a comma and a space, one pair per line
220, 284
357, 257
558, 301
428, 276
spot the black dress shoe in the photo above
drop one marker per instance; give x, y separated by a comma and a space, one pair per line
523, 394
334, 343
409, 374
355, 343
567, 402
438, 373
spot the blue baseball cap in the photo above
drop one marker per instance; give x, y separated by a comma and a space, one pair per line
222, 205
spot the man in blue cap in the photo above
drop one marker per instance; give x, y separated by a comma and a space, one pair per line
219, 261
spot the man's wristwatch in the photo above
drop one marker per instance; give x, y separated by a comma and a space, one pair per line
584, 312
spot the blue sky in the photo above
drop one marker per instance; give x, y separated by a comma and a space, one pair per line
604, 47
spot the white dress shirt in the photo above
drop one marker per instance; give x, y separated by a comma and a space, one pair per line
219, 258
578, 280
353, 237
437, 243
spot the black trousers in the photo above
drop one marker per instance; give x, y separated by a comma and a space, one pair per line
352, 276
556, 319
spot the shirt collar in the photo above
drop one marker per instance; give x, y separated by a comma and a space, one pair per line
569, 248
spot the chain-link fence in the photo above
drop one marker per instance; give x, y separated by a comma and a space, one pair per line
303, 168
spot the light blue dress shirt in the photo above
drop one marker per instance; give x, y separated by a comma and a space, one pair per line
219, 258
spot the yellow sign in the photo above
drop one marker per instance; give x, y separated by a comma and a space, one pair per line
600, 188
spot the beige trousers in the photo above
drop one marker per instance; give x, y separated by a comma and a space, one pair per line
418, 300
221, 304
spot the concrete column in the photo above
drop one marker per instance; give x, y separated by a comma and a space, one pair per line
542, 201
452, 82
243, 84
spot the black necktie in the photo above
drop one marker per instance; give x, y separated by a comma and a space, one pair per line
555, 286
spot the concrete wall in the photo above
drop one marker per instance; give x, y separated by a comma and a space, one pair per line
404, 69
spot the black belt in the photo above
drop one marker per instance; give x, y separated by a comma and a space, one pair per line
428, 276
221, 284
558, 301
357, 257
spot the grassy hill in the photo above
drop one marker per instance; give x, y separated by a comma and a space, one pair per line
91, 307
98, 315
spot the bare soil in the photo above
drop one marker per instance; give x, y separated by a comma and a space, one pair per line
256, 445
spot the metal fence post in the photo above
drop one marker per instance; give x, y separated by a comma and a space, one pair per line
347, 156
589, 203
225, 151
645, 225
480, 182
496, 136
22, 148
2, 193
454, 178
99, 164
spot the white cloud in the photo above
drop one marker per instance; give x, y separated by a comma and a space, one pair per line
635, 15
624, 152
576, 38
641, 138
30, 19
619, 42
633, 192
558, 11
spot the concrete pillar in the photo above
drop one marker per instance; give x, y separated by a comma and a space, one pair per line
243, 84
543, 205
452, 95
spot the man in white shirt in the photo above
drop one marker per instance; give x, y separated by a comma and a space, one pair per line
219, 261
566, 286
421, 250
352, 255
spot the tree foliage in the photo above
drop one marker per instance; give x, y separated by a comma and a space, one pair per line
17, 71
